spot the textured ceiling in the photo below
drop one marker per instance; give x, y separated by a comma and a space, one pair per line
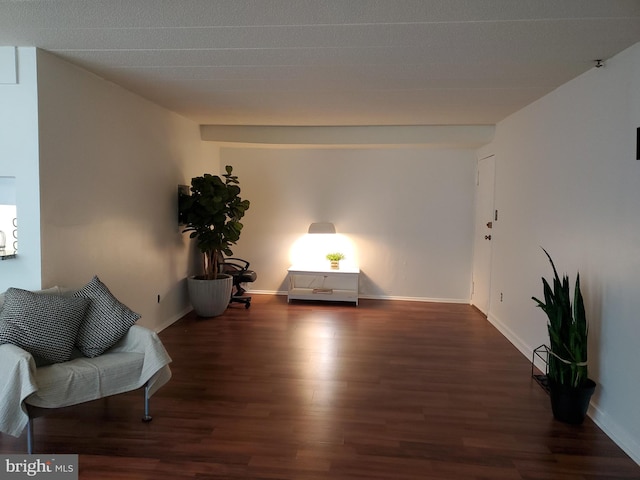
330, 62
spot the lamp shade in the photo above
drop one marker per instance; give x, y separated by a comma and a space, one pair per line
322, 227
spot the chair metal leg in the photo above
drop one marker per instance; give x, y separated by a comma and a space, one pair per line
30, 436
146, 417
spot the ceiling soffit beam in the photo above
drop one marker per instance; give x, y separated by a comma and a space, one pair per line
466, 136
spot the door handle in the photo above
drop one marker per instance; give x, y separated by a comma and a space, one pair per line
487, 237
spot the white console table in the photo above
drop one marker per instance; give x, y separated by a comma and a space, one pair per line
324, 284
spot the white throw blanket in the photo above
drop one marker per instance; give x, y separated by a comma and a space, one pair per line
137, 359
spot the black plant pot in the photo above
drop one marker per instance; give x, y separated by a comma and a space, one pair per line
570, 404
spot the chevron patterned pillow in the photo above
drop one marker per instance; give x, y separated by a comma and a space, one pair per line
107, 319
44, 325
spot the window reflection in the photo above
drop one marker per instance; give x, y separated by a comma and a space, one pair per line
8, 217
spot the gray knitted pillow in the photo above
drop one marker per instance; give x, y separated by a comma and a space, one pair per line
106, 321
44, 325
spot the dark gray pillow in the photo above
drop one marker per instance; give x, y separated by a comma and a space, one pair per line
46, 326
106, 321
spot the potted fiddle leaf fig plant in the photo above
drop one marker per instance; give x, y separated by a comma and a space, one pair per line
570, 388
212, 213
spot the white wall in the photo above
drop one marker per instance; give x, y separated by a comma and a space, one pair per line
567, 179
409, 212
19, 159
110, 163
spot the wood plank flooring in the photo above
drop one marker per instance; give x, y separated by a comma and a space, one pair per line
388, 390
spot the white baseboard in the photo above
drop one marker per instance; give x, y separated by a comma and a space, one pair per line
377, 297
415, 299
267, 292
172, 320
617, 433
521, 345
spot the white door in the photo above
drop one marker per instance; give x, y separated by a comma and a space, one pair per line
481, 281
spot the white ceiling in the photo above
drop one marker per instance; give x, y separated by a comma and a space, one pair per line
330, 62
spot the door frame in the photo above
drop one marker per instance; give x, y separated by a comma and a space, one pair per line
480, 230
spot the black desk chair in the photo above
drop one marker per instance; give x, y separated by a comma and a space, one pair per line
239, 270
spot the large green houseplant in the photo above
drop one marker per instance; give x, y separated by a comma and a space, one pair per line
567, 368
212, 213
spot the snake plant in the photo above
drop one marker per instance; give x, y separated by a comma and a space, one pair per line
568, 330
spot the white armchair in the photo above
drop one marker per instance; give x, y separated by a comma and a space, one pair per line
26, 391
138, 359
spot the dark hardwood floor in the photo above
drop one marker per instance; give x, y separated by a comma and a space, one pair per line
388, 390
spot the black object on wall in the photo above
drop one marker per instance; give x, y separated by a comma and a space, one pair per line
638, 143
183, 190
